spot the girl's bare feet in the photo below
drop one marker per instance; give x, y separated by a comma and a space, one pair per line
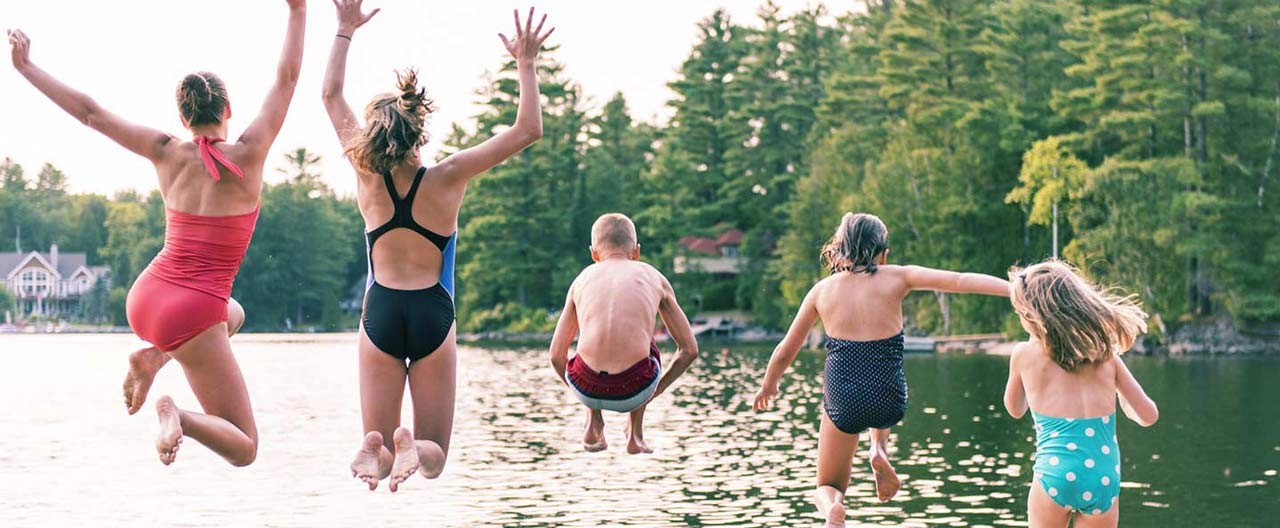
887, 482
830, 503
593, 439
170, 437
368, 465
143, 366
406, 463
835, 516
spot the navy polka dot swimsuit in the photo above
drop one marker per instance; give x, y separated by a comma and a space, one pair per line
865, 386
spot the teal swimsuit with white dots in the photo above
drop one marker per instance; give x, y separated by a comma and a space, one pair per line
1078, 461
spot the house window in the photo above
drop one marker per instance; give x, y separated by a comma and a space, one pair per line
34, 282
729, 251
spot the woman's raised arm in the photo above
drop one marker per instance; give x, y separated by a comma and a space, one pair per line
261, 133
144, 141
466, 164
350, 18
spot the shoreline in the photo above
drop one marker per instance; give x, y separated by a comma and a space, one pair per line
1236, 345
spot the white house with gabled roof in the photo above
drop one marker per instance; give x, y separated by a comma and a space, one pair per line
49, 284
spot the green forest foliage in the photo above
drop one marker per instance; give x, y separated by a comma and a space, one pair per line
306, 257
1154, 126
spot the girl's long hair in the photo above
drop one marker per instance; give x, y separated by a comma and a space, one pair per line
858, 240
395, 127
1077, 322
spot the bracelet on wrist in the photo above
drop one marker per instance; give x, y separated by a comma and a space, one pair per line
340, 35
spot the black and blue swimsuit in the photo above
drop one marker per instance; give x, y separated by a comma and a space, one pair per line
409, 324
865, 386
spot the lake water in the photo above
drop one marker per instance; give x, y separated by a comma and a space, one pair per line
71, 457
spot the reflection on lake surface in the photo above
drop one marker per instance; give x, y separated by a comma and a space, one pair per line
71, 455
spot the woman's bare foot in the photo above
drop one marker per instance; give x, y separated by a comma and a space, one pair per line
635, 442
887, 482
835, 516
367, 466
170, 437
143, 366
406, 463
593, 439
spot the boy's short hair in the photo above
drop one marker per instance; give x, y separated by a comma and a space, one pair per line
613, 231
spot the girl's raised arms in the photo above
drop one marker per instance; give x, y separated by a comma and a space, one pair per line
144, 141
922, 278
261, 133
464, 165
351, 17
786, 351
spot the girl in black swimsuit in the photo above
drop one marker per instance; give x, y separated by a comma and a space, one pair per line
408, 330
864, 387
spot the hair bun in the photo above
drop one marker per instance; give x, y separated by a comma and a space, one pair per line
395, 126
202, 99
412, 98
197, 87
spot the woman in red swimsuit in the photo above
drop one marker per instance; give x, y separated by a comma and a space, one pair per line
181, 303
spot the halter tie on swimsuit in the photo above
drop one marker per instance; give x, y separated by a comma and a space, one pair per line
212, 157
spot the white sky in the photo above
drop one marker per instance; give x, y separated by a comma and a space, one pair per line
130, 56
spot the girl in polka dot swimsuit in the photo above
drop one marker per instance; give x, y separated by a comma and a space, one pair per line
1069, 375
860, 306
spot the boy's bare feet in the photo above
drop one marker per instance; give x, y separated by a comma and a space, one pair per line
887, 482
593, 439
635, 442
366, 466
170, 437
406, 463
143, 366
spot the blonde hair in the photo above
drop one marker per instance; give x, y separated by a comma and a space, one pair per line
395, 127
857, 242
202, 99
613, 231
1076, 322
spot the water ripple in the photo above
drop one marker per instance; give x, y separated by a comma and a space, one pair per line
74, 457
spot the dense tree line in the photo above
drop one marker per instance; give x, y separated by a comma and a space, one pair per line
305, 260
1152, 129
1147, 132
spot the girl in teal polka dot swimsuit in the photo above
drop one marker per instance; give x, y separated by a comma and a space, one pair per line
1068, 375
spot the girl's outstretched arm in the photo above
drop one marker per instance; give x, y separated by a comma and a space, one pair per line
1015, 395
261, 133
922, 278
350, 18
787, 350
1133, 400
144, 141
462, 166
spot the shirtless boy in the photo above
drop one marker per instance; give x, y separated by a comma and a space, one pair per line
611, 308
